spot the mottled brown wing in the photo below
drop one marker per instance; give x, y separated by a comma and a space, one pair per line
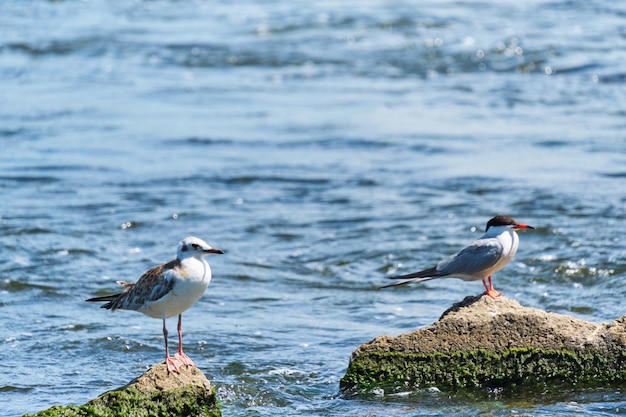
152, 285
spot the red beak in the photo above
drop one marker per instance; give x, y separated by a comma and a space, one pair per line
522, 226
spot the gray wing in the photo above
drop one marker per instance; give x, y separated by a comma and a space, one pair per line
473, 260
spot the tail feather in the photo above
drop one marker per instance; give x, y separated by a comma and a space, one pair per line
426, 273
421, 276
110, 298
408, 281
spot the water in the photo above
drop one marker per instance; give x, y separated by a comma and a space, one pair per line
322, 146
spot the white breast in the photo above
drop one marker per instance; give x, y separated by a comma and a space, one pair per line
189, 285
509, 241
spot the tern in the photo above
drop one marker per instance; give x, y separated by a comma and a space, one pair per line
479, 260
167, 290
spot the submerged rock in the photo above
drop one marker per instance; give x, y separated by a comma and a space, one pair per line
492, 343
155, 393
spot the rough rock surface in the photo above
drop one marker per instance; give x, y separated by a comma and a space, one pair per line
492, 343
155, 393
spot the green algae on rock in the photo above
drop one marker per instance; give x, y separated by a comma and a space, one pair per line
155, 393
492, 343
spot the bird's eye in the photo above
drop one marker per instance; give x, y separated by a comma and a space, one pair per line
195, 246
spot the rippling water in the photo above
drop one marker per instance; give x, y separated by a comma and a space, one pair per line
323, 146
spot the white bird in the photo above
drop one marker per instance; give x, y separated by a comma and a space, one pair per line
479, 260
167, 290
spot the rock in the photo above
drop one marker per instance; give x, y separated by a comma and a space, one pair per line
155, 393
492, 343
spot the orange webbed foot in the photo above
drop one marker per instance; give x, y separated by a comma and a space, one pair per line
493, 293
490, 291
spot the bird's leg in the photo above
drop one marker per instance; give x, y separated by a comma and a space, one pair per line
170, 361
179, 354
491, 292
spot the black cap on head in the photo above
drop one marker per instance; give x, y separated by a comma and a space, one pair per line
501, 221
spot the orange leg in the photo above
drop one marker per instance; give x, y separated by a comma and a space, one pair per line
491, 292
180, 356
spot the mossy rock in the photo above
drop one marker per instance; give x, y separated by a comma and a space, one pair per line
487, 343
481, 369
155, 393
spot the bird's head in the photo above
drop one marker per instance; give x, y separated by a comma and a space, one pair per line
195, 247
502, 222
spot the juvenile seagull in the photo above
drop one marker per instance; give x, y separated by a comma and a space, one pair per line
479, 260
167, 290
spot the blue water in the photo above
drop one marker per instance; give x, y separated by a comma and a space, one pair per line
322, 146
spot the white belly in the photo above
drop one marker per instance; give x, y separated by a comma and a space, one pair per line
185, 293
510, 243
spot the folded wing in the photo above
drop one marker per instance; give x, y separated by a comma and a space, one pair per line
472, 261
152, 286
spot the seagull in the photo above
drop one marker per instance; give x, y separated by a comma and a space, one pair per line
479, 260
167, 290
